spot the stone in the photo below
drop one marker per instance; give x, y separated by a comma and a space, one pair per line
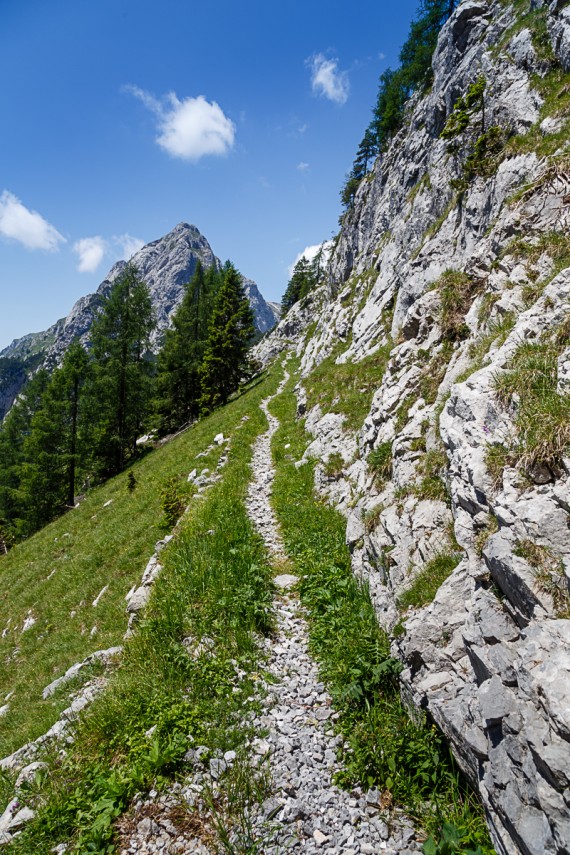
29, 772
286, 580
138, 600
496, 700
217, 768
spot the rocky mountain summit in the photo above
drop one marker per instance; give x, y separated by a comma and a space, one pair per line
448, 305
165, 265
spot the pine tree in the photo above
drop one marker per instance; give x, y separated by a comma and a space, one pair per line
120, 340
56, 448
178, 379
231, 329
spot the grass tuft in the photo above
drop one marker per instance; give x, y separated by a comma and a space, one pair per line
429, 580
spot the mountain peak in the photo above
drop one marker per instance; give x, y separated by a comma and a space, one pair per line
165, 265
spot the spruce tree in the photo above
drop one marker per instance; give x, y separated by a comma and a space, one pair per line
231, 330
121, 398
178, 387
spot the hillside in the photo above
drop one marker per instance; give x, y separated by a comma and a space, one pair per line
358, 638
165, 265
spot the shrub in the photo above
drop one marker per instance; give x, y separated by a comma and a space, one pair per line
171, 502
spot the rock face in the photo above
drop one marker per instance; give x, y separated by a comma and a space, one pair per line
165, 265
489, 655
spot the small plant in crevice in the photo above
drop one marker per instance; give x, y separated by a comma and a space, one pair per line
457, 291
432, 468
380, 463
549, 574
334, 465
429, 580
372, 518
497, 458
485, 533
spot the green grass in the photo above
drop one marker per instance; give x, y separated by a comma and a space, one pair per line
81, 552
554, 88
457, 291
380, 462
216, 581
541, 415
347, 388
429, 580
386, 748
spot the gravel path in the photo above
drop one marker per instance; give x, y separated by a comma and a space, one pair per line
307, 812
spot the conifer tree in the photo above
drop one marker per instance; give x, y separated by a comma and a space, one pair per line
56, 448
120, 340
178, 380
305, 277
231, 329
13, 434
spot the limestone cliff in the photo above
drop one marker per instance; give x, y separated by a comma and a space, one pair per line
448, 298
165, 265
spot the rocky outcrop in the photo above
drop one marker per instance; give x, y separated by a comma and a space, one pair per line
165, 265
488, 655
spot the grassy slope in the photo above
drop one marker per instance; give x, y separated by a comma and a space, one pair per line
88, 548
217, 581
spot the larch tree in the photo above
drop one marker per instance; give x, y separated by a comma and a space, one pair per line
14, 431
57, 447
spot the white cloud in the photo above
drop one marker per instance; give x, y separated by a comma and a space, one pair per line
302, 166
309, 253
27, 227
327, 80
90, 251
191, 128
128, 244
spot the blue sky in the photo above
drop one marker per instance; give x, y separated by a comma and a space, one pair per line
122, 118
